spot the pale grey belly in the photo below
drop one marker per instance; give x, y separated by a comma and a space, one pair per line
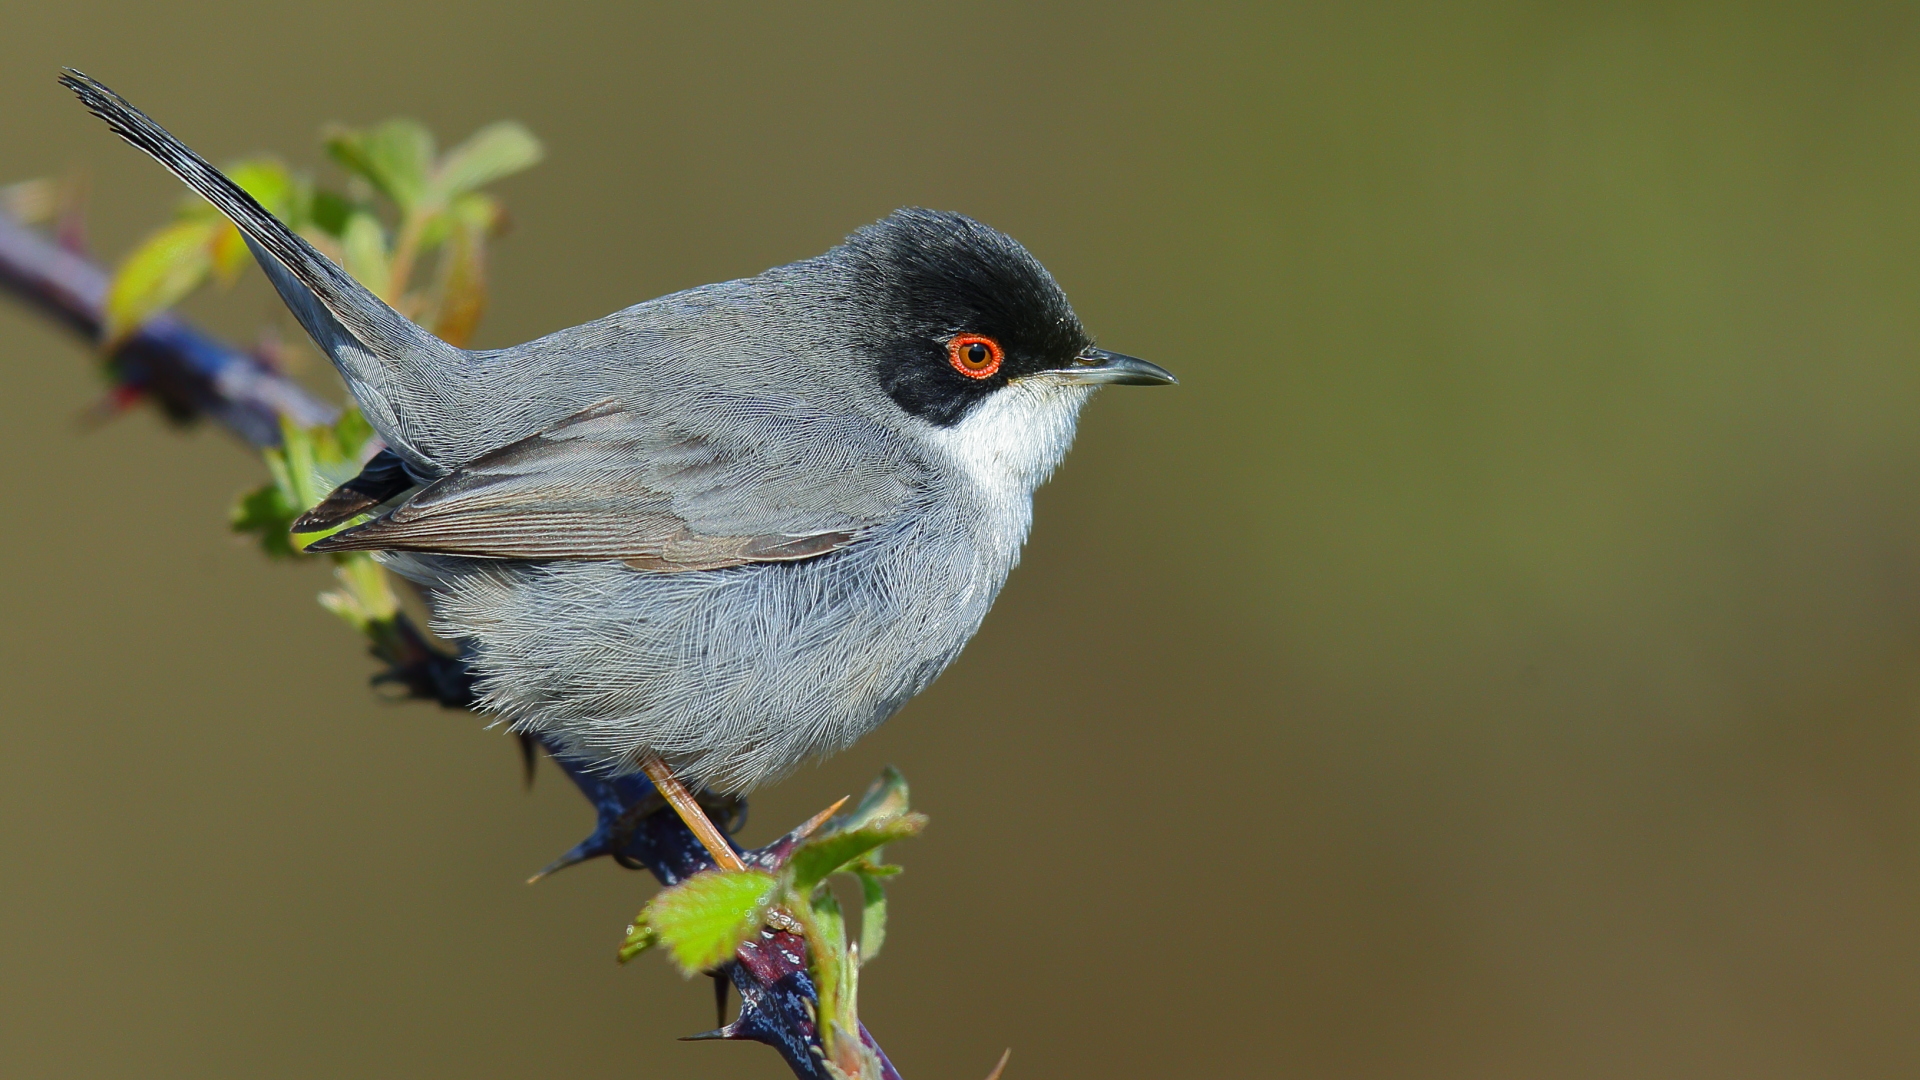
734, 676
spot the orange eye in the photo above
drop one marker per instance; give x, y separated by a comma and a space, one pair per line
975, 356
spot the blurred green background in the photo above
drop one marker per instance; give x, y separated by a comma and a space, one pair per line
1499, 658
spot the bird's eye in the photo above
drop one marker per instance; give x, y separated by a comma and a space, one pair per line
975, 356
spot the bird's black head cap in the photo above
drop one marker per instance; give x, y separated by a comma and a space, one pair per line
951, 310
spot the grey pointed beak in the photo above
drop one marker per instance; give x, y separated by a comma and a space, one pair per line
1098, 367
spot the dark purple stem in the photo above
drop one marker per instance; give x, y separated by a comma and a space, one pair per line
192, 375
188, 373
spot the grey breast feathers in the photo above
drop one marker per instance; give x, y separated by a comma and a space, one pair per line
758, 482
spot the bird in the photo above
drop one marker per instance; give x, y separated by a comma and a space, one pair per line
721, 532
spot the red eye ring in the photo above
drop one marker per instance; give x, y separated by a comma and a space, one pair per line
975, 355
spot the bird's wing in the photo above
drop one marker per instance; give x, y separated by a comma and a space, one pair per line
379, 480
609, 483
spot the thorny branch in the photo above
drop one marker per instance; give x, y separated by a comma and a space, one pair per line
191, 375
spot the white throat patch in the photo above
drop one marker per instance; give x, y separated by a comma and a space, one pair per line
1010, 443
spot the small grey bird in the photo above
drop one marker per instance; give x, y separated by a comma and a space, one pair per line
728, 529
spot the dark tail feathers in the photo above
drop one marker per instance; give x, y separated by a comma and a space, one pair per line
393, 354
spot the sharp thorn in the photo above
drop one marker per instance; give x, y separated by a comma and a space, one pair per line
720, 984
705, 1036
577, 855
813, 823
998, 1069
551, 869
529, 755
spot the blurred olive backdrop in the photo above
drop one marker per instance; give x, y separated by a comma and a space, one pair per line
1499, 658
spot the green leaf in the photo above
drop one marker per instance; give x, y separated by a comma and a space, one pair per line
277, 468
364, 246
266, 512
229, 253
352, 432
640, 937
827, 956
836, 980
309, 463
365, 598
478, 211
873, 916
886, 797
300, 484
493, 153
396, 157
830, 926
475, 213
463, 268
273, 187
704, 919
157, 275
812, 861
329, 212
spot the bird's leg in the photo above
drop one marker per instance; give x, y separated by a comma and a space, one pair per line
685, 805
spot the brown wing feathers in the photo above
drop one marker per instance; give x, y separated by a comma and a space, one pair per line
588, 489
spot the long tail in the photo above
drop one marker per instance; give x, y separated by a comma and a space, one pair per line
389, 362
